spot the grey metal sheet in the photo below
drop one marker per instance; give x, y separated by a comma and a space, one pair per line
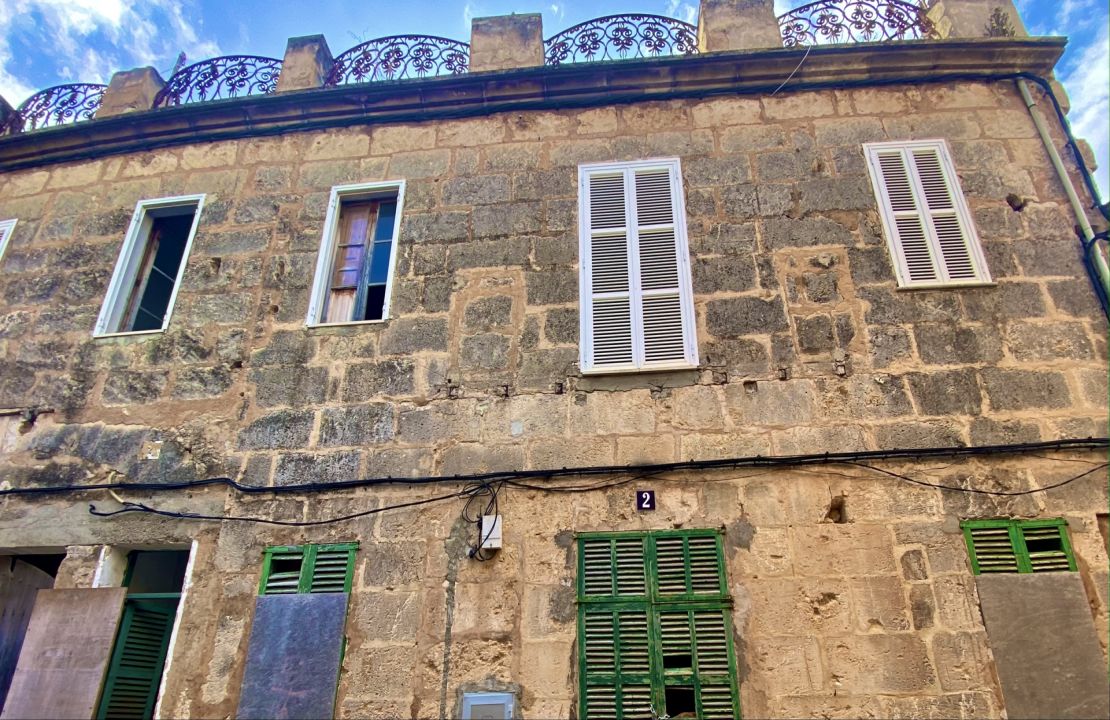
1045, 645
293, 657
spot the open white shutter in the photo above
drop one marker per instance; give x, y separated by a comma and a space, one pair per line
6, 228
928, 225
637, 306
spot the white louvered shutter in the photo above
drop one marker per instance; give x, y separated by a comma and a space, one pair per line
637, 303
927, 222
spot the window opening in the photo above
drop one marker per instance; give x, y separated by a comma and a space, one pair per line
654, 626
354, 272
925, 217
154, 579
148, 273
288, 570
21, 577
1018, 546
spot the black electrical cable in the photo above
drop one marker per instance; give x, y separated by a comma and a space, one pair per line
488, 489
550, 474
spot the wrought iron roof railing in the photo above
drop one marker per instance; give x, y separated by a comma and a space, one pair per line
398, 57
620, 37
58, 105
840, 21
219, 78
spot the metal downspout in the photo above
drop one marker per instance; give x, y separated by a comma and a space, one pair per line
1090, 252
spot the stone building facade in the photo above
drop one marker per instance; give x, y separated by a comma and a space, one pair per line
850, 586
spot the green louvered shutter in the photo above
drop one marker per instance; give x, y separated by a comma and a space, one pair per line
653, 619
289, 570
1046, 547
135, 671
992, 548
1018, 546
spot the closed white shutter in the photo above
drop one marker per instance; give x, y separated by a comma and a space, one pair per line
927, 221
6, 228
637, 305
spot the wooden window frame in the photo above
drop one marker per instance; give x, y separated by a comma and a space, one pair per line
653, 604
308, 564
959, 201
321, 284
585, 278
122, 285
1016, 533
7, 229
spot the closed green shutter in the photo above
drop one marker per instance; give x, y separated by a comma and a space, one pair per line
135, 671
1018, 546
654, 626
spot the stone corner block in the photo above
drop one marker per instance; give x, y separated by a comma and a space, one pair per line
306, 65
503, 42
737, 25
130, 91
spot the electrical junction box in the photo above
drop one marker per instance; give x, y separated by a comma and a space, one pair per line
487, 705
490, 532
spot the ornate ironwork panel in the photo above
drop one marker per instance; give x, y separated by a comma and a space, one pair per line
620, 37
398, 57
840, 21
58, 105
220, 78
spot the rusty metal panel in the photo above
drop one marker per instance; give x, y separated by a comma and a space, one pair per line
1045, 645
19, 583
293, 657
65, 653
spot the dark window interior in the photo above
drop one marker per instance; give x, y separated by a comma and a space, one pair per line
678, 662
156, 571
681, 702
165, 246
48, 563
1040, 545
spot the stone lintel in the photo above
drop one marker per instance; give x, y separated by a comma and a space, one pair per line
503, 42
130, 91
976, 18
737, 25
307, 62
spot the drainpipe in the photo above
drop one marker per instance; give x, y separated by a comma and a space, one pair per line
1091, 254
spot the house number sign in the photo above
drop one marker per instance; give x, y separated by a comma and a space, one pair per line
645, 500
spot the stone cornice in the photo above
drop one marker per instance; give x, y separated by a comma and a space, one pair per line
571, 86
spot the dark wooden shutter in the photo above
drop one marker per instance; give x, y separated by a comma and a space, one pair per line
695, 651
613, 566
138, 659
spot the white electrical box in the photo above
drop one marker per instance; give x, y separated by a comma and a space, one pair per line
490, 532
487, 706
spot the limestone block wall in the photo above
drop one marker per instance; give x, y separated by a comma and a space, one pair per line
791, 278
806, 346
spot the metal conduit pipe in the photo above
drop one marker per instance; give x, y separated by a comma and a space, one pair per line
1089, 250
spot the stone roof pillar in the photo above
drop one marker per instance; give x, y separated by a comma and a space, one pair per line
307, 62
737, 25
976, 18
504, 42
130, 91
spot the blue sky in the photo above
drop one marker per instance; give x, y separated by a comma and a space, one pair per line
47, 42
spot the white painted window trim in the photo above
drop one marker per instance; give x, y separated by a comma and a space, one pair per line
321, 281
963, 213
7, 229
123, 277
585, 274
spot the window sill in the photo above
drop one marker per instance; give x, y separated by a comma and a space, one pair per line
632, 370
352, 323
949, 285
130, 334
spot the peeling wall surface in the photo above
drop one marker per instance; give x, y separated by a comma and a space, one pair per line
853, 595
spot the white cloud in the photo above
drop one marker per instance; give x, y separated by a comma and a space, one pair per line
558, 10
468, 15
136, 32
687, 12
1088, 84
